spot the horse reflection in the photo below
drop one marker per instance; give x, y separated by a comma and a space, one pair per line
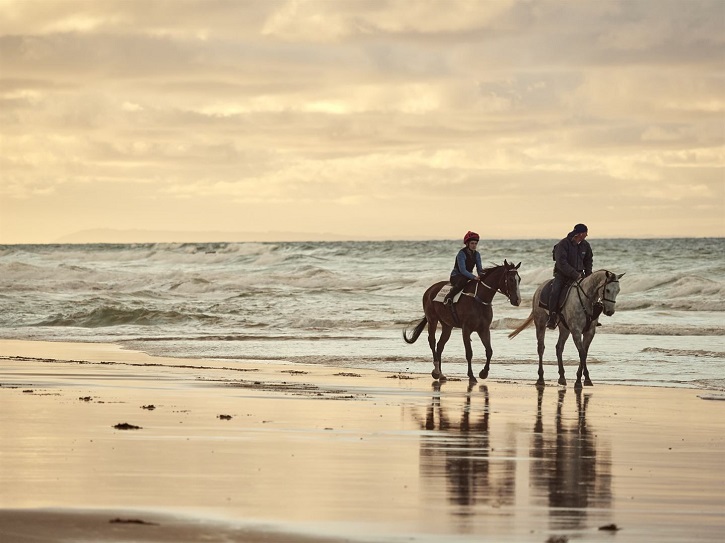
567, 467
458, 451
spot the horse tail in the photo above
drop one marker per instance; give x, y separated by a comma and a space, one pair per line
416, 332
521, 328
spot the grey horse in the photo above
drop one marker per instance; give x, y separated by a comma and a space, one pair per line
579, 316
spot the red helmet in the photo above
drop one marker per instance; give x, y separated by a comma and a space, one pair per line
470, 236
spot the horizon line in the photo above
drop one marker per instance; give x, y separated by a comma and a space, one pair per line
339, 240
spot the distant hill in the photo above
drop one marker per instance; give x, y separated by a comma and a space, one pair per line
109, 235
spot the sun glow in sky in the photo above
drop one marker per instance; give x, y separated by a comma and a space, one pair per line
360, 119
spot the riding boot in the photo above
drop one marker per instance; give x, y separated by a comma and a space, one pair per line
551, 323
456, 287
556, 287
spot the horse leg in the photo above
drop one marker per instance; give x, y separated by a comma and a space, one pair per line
540, 333
485, 334
469, 353
577, 337
563, 336
432, 327
588, 337
445, 334
539, 425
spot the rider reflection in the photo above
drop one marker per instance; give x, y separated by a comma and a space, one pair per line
459, 451
567, 469
566, 465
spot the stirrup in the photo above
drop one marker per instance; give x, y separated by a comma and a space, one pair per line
551, 323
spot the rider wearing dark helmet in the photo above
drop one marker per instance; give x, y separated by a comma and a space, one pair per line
466, 259
573, 256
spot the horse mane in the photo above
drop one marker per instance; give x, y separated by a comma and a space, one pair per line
494, 267
605, 272
591, 287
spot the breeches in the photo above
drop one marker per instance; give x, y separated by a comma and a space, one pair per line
556, 287
457, 284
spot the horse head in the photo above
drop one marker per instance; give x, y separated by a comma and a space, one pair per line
610, 289
512, 279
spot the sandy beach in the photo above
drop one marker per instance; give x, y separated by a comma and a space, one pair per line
103, 444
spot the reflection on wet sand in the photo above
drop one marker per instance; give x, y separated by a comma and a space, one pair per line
484, 466
460, 450
566, 467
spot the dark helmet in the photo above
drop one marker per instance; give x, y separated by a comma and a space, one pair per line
470, 236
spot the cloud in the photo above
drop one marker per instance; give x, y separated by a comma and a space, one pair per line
361, 105
313, 20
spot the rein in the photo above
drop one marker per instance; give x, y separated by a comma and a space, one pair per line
601, 298
474, 294
597, 306
506, 293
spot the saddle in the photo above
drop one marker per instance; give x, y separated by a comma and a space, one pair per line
544, 298
441, 296
443, 292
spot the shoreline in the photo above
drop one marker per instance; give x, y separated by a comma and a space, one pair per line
299, 453
502, 369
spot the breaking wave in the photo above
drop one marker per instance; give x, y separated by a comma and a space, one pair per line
117, 316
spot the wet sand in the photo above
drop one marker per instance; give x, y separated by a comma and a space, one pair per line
225, 451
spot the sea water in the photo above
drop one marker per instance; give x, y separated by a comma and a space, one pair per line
345, 304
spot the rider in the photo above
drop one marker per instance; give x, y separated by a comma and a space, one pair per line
574, 257
466, 259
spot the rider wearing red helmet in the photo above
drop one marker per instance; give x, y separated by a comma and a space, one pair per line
466, 259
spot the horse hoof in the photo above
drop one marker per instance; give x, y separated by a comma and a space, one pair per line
540, 384
578, 385
472, 380
436, 374
483, 374
562, 381
588, 383
442, 378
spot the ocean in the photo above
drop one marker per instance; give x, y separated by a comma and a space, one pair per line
345, 304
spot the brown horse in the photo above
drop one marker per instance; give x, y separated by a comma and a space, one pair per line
472, 313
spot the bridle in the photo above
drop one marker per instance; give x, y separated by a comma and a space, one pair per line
604, 286
500, 289
598, 304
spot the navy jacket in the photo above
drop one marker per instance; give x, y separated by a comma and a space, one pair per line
571, 259
465, 262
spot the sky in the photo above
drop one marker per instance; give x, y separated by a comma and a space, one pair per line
360, 119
